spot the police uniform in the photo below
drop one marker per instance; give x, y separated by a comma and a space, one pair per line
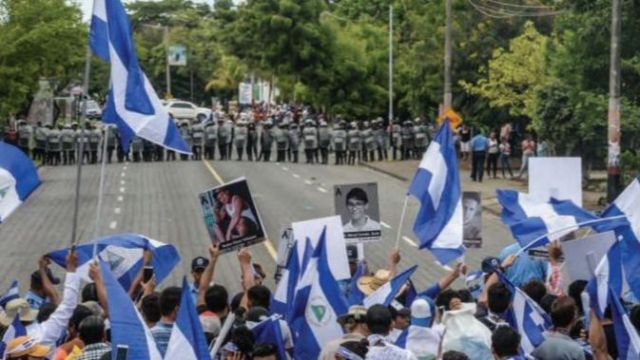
266, 142
110, 133
293, 135
224, 137
240, 137
185, 132
421, 139
355, 144
197, 133
210, 140
82, 144
282, 142
340, 143
369, 145
40, 136
380, 135
252, 141
136, 148
407, 140
310, 137
94, 143
147, 150
54, 146
25, 133
396, 138
324, 141
68, 138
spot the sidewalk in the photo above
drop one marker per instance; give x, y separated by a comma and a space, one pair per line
404, 171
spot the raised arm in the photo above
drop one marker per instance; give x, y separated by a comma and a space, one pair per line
47, 287
207, 275
244, 256
101, 290
137, 281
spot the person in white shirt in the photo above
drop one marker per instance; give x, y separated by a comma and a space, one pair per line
379, 324
422, 338
358, 205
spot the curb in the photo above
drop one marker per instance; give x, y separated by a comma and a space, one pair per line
402, 178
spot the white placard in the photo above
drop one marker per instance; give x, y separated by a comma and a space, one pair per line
557, 177
312, 229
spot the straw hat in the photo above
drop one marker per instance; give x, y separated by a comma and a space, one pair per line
18, 307
369, 284
26, 345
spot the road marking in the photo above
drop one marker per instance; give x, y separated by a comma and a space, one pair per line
385, 224
116, 210
285, 168
120, 198
308, 182
270, 249
296, 176
124, 168
323, 190
213, 172
122, 182
409, 241
122, 174
122, 189
113, 225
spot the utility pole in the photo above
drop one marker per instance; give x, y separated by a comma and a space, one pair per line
390, 64
447, 58
613, 134
168, 69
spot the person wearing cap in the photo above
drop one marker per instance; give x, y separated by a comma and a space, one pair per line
42, 286
48, 332
354, 324
198, 265
422, 337
26, 348
379, 325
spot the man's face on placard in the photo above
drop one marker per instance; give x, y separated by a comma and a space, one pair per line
357, 208
470, 209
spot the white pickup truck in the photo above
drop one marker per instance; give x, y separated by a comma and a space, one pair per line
185, 110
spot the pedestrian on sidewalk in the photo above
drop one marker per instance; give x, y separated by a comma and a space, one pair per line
494, 153
505, 154
528, 151
465, 138
479, 146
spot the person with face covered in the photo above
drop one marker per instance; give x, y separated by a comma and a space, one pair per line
358, 205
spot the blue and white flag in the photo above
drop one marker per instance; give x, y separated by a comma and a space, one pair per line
285, 291
317, 305
436, 185
627, 338
268, 332
12, 293
607, 278
628, 233
387, 292
422, 341
474, 283
132, 104
530, 219
187, 339
16, 329
527, 317
124, 253
18, 179
356, 296
127, 325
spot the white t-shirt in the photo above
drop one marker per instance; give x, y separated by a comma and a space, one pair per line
380, 349
369, 225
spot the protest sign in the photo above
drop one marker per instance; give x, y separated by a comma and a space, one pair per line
231, 216
357, 205
578, 253
284, 249
472, 219
557, 177
311, 229
177, 55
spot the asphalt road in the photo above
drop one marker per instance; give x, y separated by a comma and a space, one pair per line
160, 200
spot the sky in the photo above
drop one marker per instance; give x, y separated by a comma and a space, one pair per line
87, 5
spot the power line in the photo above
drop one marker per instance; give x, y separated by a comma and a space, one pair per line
539, 6
491, 10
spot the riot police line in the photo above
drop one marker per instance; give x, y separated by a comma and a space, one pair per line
219, 137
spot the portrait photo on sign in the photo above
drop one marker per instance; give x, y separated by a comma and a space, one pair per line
357, 205
231, 216
472, 218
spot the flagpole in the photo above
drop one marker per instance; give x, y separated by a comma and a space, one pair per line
590, 222
96, 232
402, 214
83, 119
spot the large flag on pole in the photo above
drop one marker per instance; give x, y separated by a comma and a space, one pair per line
127, 325
317, 305
627, 338
187, 339
285, 290
132, 104
387, 292
607, 278
436, 185
12, 293
18, 179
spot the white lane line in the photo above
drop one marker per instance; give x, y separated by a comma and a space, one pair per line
122, 182
113, 225
121, 189
323, 190
296, 176
122, 174
285, 168
124, 168
117, 210
308, 182
385, 224
409, 241
120, 198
